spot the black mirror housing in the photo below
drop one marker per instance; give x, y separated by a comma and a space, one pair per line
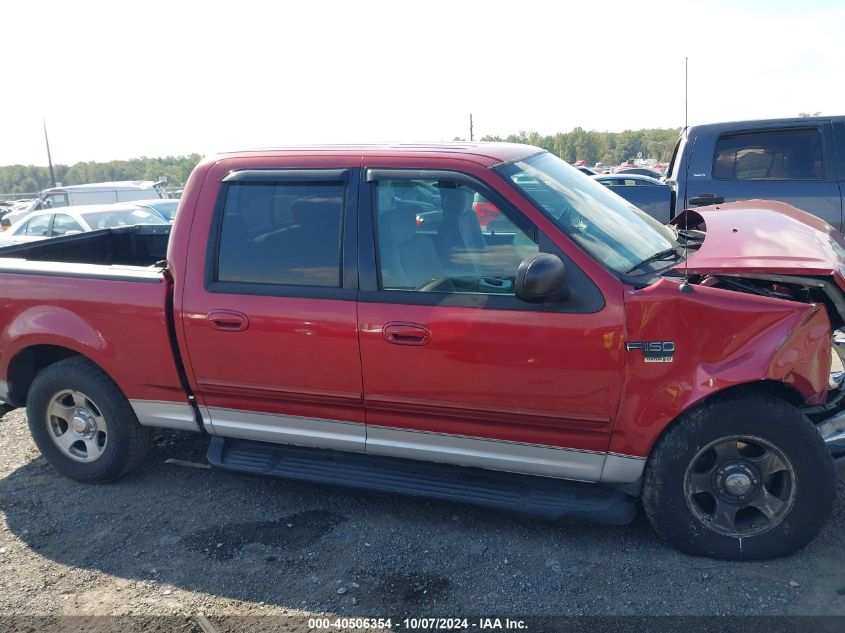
541, 278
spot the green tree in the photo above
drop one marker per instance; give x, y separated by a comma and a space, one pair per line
19, 179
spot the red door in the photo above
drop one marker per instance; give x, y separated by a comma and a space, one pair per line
270, 323
456, 369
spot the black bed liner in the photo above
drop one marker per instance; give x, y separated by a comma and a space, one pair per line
142, 245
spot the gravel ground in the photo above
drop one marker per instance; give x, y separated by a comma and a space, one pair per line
178, 540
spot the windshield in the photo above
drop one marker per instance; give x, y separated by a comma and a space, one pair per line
611, 229
111, 219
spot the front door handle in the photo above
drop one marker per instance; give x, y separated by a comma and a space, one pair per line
400, 333
227, 320
706, 199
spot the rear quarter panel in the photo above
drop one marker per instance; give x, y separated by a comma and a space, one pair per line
120, 325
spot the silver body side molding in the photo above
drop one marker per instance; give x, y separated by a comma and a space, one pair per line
622, 469
288, 429
516, 457
562, 463
167, 415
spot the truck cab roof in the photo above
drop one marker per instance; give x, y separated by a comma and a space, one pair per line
758, 123
486, 153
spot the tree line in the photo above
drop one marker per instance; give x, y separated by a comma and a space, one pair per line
16, 179
610, 148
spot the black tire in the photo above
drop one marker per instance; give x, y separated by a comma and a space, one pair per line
127, 441
682, 454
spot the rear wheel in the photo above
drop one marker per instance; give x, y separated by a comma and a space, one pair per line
742, 477
83, 424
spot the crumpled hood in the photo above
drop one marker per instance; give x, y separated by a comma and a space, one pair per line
764, 236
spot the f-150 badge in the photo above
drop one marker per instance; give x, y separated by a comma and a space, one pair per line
654, 351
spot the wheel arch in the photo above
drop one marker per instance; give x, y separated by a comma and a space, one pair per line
755, 413
30, 361
772, 388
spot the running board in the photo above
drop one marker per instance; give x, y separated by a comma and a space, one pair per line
551, 499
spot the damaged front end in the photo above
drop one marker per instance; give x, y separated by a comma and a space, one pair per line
774, 250
830, 417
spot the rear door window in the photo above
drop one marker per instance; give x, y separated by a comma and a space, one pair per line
770, 155
282, 233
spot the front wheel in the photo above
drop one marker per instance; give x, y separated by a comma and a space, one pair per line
83, 424
740, 477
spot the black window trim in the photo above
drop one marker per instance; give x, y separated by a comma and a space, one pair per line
370, 269
774, 130
287, 175
837, 135
348, 277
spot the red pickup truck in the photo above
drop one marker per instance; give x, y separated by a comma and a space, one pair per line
340, 315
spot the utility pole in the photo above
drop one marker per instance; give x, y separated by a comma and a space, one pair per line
470, 128
686, 91
49, 158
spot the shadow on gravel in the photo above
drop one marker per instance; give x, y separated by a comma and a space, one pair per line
327, 549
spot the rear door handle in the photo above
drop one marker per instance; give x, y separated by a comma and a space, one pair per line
227, 320
400, 333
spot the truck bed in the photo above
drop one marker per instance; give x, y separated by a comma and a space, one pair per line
99, 294
125, 246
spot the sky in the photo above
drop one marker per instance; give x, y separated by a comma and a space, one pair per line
116, 80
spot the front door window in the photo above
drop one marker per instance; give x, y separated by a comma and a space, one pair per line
450, 240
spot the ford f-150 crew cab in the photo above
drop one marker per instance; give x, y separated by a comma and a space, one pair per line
340, 315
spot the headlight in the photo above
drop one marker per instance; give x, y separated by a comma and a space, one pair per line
837, 364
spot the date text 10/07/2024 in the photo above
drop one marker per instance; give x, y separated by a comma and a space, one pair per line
417, 624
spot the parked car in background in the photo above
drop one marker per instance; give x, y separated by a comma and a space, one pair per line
649, 194
39, 225
92, 193
627, 180
586, 170
798, 161
642, 171
165, 208
16, 209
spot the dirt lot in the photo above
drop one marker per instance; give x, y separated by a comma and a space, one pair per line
177, 540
